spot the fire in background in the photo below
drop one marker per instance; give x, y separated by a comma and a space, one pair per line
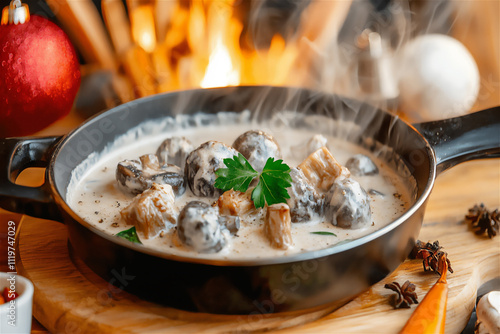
183, 44
155, 46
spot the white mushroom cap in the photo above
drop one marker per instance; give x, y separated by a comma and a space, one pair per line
488, 313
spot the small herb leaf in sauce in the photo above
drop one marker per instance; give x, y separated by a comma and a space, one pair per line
238, 174
130, 235
273, 180
323, 233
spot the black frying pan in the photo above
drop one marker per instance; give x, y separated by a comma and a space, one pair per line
240, 287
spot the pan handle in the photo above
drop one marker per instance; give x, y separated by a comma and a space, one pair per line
464, 138
17, 154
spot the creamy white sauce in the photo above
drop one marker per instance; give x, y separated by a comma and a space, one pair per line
94, 194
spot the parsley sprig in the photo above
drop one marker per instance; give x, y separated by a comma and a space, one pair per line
273, 180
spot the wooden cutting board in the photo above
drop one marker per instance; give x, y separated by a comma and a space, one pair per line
70, 298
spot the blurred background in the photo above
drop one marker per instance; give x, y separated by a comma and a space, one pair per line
395, 54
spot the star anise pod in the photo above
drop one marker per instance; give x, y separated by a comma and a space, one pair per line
431, 261
430, 253
484, 220
406, 294
420, 245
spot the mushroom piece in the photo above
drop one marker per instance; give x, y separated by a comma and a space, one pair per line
278, 226
135, 176
257, 146
235, 203
150, 211
315, 143
361, 165
347, 204
201, 165
488, 313
231, 223
304, 202
308, 147
322, 169
198, 227
174, 151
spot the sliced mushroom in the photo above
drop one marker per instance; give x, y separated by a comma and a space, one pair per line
347, 204
135, 176
257, 147
150, 211
174, 151
360, 165
232, 223
305, 202
278, 226
201, 165
198, 227
130, 178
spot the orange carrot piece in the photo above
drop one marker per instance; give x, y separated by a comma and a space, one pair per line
430, 315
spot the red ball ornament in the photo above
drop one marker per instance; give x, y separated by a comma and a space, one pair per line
39, 70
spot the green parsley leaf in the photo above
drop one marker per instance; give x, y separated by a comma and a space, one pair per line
273, 180
130, 235
238, 175
323, 233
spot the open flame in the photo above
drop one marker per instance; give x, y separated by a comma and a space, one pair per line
201, 44
200, 47
220, 71
223, 66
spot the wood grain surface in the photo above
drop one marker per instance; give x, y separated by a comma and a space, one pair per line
70, 298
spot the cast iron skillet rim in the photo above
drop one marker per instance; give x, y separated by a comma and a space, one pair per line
310, 255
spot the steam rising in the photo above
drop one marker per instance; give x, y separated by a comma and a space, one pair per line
342, 46
284, 108
267, 18
349, 48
